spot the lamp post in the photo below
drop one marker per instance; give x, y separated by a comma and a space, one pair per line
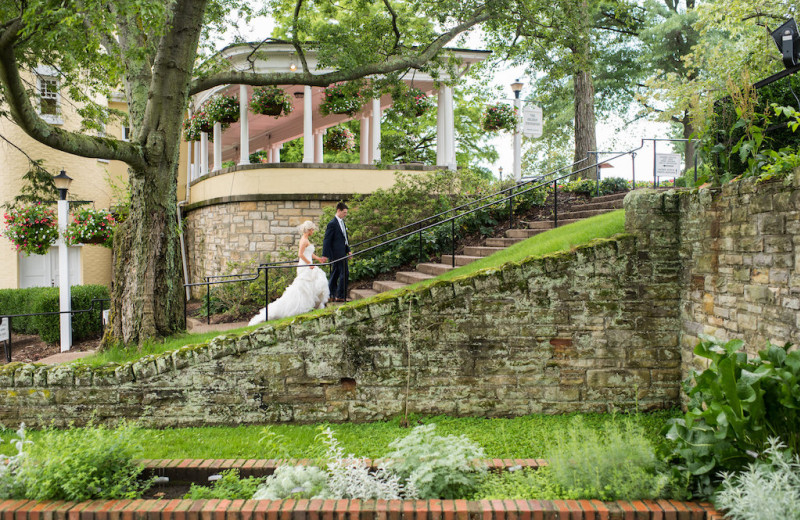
62, 182
516, 87
500, 171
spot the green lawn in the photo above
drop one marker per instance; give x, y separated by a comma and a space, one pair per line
521, 437
560, 239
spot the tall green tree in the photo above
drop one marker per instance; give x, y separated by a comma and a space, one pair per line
582, 48
151, 49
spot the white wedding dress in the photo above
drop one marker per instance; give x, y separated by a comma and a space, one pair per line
308, 291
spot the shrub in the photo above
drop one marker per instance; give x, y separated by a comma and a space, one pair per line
20, 301
613, 185
581, 186
84, 325
766, 490
524, 484
612, 463
32, 228
83, 464
229, 487
734, 405
11, 485
294, 482
436, 466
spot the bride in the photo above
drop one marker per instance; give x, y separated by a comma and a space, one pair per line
308, 291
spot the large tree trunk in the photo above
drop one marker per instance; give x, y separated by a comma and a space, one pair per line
585, 135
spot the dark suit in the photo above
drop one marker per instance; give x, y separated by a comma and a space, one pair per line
335, 247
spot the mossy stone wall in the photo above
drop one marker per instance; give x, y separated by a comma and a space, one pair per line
593, 329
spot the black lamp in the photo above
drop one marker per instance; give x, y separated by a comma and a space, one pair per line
787, 38
62, 182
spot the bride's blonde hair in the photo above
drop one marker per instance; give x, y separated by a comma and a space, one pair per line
306, 226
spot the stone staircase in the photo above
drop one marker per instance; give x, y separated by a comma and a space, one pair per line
425, 271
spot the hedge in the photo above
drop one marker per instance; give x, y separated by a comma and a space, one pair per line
45, 299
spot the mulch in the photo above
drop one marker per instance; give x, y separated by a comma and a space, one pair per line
29, 349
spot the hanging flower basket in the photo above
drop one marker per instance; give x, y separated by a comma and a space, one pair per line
223, 109
196, 124
32, 229
410, 102
91, 226
342, 98
271, 101
259, 156
340, 139
500, 117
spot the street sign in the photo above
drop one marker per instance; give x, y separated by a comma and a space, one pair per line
668, 164
4, 329
532, 121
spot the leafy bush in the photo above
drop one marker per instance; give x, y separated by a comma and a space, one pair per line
525, 484
294, 482
613, 185
20, 301
11, 485
612, 463
84, 325
734, 405
436, 466
581, 186
82, 464
230, 487
766, 490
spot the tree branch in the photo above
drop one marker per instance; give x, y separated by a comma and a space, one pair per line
296, 40
323, 80
27, 118
394, 24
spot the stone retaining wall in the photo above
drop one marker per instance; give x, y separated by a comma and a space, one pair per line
739, 247
594, 329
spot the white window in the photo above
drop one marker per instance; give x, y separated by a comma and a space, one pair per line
126, 133
49, 98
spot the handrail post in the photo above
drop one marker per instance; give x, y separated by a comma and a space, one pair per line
633, 169
419, 252
453, 240
208, 301
266, 293
555, 204
511, 210
8, 343
695, 168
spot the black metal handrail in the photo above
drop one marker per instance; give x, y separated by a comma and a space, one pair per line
7, 343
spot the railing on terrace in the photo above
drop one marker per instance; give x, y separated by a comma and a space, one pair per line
10, 317
506, 196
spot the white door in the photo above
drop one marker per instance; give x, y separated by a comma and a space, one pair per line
42, 270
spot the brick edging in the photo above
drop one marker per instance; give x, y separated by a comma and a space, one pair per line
357, 510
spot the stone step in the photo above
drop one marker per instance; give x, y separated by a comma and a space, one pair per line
358, 294
613, 196
387, 285
502, 242
539, 224
410, 277
460, 259
582, 214
609, 205
524, 233
481, 250
433, 269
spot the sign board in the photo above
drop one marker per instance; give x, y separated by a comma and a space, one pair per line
4, 329
668, 164
532, 121
105, 316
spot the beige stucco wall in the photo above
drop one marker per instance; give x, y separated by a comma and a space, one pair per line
90, 182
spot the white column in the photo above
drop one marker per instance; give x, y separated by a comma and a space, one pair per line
440, 124
64, 297
318, 152
375, 133
217, 146
518, 141
196, 165
189, 164
449, 129
308, 126
276, 153
364, 139
244, 126
203, 153
270, 155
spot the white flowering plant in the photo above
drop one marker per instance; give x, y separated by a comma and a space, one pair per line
91, 226
271, 101
500, 117
340, 139
31, 228
223, 109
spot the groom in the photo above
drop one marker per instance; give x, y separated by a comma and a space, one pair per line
336, 247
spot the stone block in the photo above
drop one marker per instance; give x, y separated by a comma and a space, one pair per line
617, 378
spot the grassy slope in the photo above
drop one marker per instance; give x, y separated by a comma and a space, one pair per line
559, 239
